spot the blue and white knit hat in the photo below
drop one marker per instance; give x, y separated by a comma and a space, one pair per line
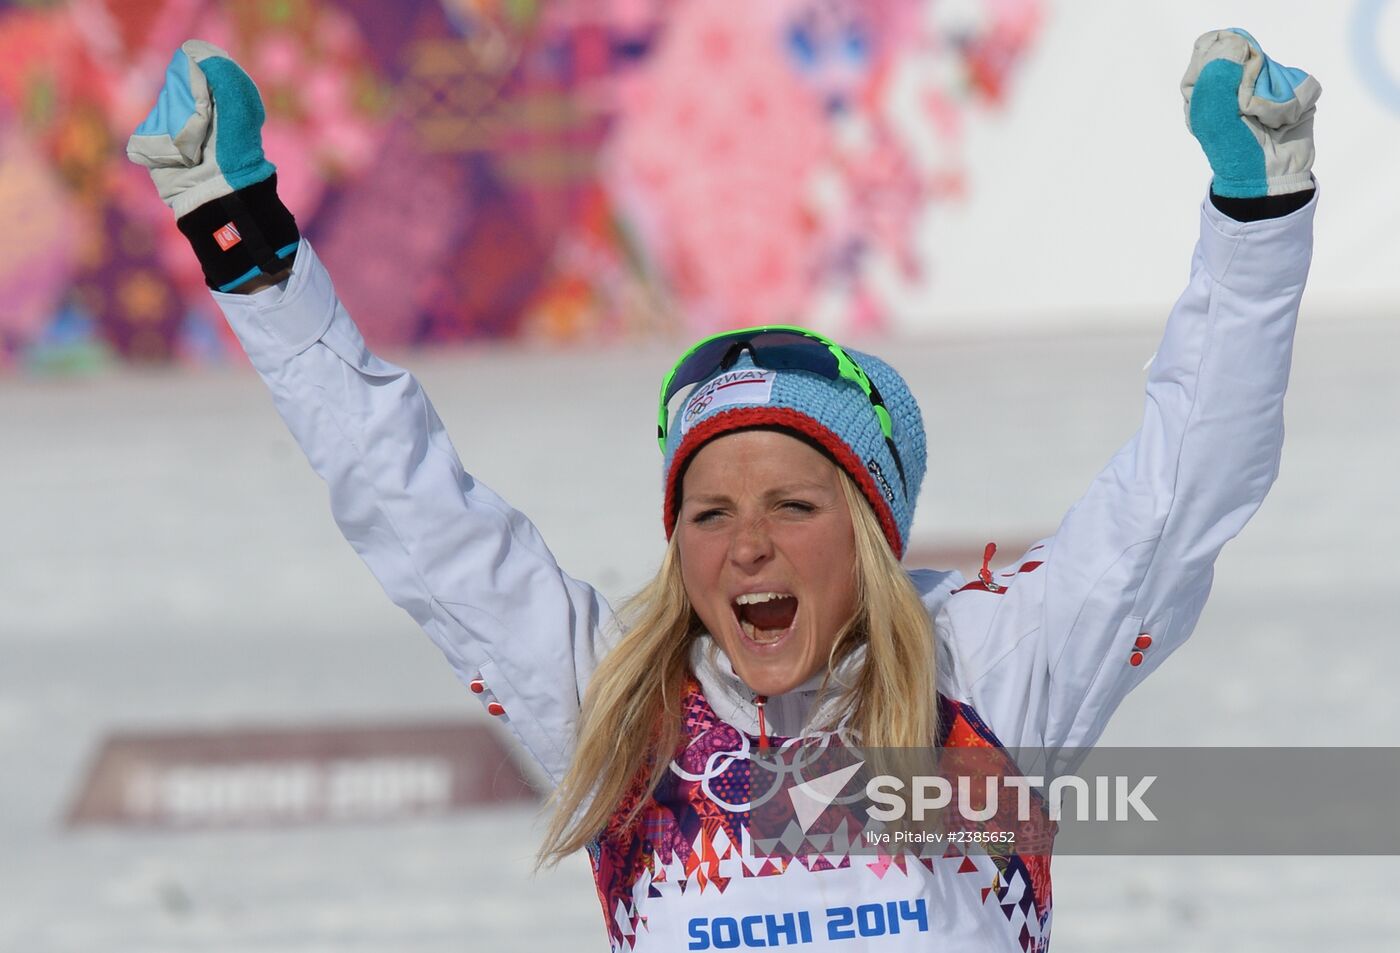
834, 414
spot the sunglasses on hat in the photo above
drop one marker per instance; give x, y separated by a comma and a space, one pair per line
776, 347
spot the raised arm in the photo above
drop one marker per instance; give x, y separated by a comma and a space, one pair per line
472, 571
1047, 652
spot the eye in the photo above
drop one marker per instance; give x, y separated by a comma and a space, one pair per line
707, 516
798, 506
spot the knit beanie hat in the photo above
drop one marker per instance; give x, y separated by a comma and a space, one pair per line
836, 415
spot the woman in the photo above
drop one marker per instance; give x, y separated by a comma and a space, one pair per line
781, 612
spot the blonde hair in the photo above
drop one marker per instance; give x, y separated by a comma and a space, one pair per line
630, 723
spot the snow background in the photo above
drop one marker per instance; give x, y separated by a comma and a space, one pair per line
168, 562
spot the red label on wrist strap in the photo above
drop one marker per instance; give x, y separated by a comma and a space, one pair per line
227, 236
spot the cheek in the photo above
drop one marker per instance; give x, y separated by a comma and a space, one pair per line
838, 591
832, 562
700, 559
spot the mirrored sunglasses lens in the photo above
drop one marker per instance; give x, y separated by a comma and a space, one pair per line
699, 365
787, 350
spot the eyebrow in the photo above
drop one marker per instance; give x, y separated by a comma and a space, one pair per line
786, 489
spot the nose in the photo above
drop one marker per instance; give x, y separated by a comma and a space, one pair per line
751, 545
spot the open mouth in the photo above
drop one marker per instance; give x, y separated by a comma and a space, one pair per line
765, 617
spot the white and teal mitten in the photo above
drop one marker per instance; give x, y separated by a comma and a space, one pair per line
202, 144
1253, 117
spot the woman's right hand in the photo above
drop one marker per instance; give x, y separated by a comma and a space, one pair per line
202, 144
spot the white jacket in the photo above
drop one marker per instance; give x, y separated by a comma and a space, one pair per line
1044, 659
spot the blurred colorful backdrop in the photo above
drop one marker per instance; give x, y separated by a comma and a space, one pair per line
510, 169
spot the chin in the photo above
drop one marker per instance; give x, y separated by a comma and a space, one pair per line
771, 683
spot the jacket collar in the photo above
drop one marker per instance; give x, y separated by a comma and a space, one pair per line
788, 715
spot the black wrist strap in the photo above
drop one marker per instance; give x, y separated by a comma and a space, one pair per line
1268, 206
242, 235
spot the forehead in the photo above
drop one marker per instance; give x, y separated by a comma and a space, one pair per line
757, 459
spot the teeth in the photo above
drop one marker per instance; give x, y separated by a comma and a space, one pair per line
750, 598
753, 635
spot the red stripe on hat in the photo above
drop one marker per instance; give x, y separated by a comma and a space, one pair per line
786, 418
